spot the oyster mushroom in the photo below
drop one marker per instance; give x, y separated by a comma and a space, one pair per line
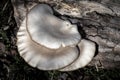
87, 51
45, 41
50, 31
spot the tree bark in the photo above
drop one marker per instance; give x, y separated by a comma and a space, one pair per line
97, 20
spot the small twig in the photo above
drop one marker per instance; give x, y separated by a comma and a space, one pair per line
101, 64
5, 5
96, 66
10, 17
52, 75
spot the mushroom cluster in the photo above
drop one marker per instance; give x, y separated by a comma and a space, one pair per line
50, 43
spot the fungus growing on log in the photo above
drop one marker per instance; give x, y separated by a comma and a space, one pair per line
50, 43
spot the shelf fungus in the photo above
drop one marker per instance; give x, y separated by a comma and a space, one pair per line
50, 43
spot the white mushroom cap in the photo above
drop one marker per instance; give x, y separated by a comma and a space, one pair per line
50, 31
41, 33
87, 51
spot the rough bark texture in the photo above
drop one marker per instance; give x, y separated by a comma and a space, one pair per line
97, 20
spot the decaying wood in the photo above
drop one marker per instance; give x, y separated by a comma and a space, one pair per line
98, 21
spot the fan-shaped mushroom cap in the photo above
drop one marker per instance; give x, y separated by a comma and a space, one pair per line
41, 33
50, 31
87, 51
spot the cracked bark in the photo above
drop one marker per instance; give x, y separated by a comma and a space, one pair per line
102, 27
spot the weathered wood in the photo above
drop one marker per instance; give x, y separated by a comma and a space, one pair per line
98, 21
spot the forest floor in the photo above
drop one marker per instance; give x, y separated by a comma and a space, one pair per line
13, 67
